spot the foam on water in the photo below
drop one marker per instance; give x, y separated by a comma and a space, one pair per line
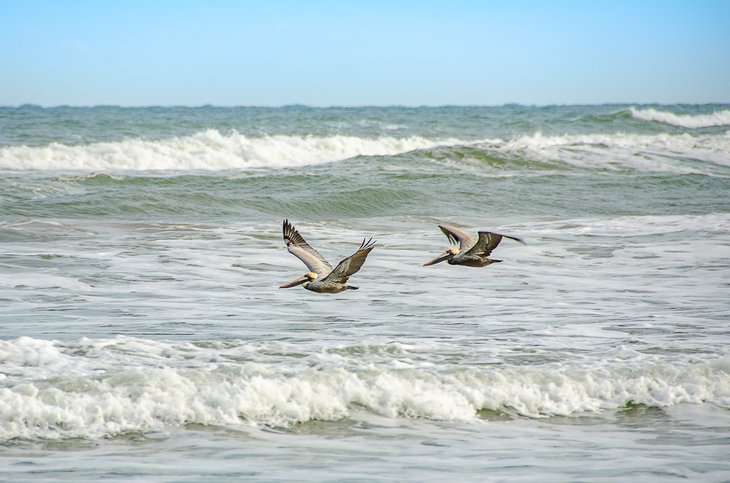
717, 118
98, 388
140, 306
658, 152
208, 150
627, 226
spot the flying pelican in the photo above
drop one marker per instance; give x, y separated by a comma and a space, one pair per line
321, 277
473, 251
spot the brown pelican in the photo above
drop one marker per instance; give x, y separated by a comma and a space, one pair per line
473, 251
321, 277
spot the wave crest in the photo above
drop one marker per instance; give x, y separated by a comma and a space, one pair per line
642, 152
212, 151
151, 399
101, 388
207, 150
717, 118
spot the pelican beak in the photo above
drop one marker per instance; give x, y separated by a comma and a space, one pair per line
295, 282
443, 257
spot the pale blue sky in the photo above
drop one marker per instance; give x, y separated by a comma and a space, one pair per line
323, 53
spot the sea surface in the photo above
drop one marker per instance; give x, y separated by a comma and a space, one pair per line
143, 336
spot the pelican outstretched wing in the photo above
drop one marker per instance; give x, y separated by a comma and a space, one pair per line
465, 240
298, 247
488, 241
350, 265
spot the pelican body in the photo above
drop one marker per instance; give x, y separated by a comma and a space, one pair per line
321, 277
473, 251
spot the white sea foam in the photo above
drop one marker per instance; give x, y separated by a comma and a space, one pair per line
626, 226
208, 150
39, 281
211, 150
659, 152
717, 118
98, 388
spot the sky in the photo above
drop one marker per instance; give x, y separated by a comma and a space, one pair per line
347, 53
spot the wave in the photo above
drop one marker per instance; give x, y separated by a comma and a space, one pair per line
212, 151
671, 153
717, 118
207, 150
633, 225
102, 388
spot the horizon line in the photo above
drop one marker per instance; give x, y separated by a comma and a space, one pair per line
353, 106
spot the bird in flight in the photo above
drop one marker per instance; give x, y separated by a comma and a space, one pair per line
473, 250
321, 277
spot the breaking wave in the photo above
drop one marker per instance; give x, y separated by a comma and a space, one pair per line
101, 388
641, 152
717, 118
212, 151
207, 150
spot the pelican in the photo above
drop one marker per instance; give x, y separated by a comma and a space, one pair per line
473, 251
321, 277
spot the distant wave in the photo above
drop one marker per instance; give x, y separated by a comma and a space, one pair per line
207, 150
642, 152
686, 153
212, 151
717, 118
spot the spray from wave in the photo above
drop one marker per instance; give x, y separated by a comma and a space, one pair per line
717, 118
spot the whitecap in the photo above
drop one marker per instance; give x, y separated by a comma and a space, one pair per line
672, 153
717, 118
91, 389
208, 150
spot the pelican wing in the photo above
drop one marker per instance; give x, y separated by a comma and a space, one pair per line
488, 241
465, 240
351, 265
298, 247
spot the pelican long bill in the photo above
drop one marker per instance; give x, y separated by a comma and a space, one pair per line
295, 282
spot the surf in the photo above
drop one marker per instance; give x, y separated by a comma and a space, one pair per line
211, 150
94, 388
208, 150
697, 121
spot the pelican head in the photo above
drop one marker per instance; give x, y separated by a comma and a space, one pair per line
304, 279
447, 255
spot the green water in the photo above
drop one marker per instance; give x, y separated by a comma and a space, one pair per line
143, 335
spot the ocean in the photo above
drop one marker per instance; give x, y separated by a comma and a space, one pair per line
143, 336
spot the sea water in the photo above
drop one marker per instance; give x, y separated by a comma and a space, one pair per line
143, 336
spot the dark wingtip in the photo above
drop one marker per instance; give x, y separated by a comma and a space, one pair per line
287, 227
446, 231
367, 244
520, 240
